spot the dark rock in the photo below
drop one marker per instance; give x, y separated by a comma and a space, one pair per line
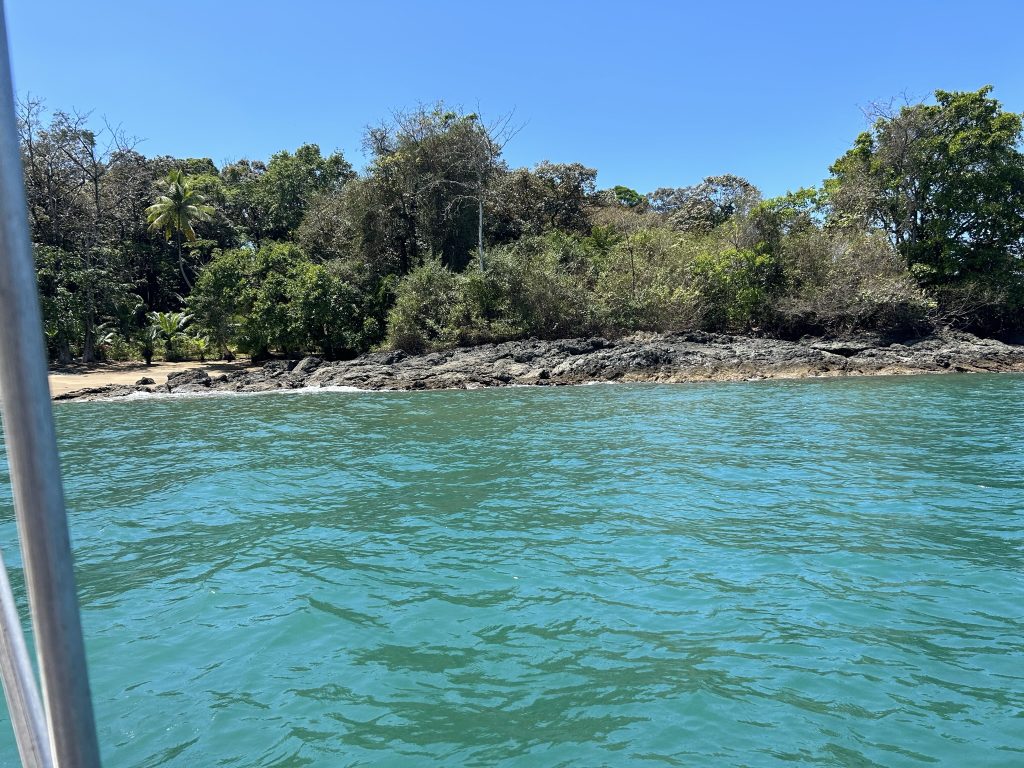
145, 380
842, 348
674, 357
307, 365
191, 377
280, 366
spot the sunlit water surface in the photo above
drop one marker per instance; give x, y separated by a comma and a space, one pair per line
764, 574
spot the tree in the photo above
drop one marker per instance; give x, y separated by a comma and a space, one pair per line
215, 302
432, 176
67, 166
702, 207
169, 326
627, 197
547, 197
176, 211
944, 181
292, 181
248, 201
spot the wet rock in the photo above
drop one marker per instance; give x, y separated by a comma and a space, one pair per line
189, 380
674, 357
280, 366
307, 365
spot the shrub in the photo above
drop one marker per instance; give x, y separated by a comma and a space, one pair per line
642, 284
839, 283
536, 287
980, 305
423, 316
731, 288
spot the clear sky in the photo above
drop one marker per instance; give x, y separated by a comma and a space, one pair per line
650, 93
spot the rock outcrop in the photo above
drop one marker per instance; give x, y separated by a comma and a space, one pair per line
678, 357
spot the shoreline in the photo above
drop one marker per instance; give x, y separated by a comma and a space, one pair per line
74, 378
640, 358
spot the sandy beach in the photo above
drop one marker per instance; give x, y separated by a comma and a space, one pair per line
73, 378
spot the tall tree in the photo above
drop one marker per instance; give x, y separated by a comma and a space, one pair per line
432, 173
703, 207
176, 211
549, 196
944, 181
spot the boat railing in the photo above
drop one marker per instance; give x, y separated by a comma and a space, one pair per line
53, 724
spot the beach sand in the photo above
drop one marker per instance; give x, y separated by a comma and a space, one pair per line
72, 378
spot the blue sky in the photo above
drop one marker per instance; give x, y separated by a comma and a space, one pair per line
650, 93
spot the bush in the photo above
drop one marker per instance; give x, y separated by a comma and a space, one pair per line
641, 285
839, 283
277, 299
979, 305
731, 289
660, 280
424, 316
121, 349
536, 287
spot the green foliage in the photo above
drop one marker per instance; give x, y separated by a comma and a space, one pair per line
944, 181
215, 302
79, 294
734, 287
176, 212
659, 280
630, 198
920, 223
837, 283
325, 311
426, 312
642, 283
536, 287
200, 347
170, 327
180, 207
432, 168
269, 201
277, 299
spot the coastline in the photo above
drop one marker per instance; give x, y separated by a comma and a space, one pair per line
74, 378
642, 357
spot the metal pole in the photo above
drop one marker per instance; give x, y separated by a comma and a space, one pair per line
34, 466
20, 683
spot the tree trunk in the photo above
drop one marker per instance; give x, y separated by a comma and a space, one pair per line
64, 351
480, 232
181, 264
88, 343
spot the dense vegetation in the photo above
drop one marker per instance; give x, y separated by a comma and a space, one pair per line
439, 242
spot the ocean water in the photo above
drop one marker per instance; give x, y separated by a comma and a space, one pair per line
821, 573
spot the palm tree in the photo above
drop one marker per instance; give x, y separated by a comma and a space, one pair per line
176, 211
201, 344
168, 325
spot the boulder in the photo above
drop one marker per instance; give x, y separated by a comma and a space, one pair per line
280, 366
307, 365
191, 377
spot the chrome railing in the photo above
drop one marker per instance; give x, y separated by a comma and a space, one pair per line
64, 735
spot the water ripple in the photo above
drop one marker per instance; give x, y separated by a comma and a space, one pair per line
763, 574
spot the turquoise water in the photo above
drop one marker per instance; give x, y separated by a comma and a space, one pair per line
765, 574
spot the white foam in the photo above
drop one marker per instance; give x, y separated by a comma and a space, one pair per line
311, 390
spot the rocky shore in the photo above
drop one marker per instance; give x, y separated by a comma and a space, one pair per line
645, 357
